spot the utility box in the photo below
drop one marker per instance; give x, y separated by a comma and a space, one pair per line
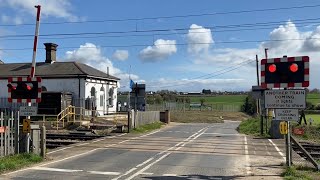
275, 130
30, 143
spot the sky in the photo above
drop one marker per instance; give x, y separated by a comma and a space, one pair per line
169, 44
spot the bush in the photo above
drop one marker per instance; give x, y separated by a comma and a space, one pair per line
249, 106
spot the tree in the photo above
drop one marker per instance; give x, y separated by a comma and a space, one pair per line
158, 99
315, 91
202, 100
249, 106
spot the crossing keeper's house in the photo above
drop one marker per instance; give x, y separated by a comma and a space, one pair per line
88, 87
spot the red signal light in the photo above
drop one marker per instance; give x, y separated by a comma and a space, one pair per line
272, 68
27, 87
10, 86
294, 67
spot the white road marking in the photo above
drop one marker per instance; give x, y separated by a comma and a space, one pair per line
60, 149
87, 152
85, 143
82, 144
186, 141
70, 157
56, 169
104, 173
145, 162
148, 166
131, 170
146, 173
246, 151
170, 175
278, 150
223, 134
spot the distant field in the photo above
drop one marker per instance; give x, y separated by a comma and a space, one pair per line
315, 117
220, 99
313, 98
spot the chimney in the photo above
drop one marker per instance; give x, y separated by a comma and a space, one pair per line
51, 52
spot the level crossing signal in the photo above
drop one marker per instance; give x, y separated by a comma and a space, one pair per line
24, 90
285, 72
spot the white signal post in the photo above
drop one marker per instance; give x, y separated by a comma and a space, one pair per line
35, 43
33, 66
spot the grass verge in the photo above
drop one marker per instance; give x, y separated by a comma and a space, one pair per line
296, 172
18, 161
206, 116
147, 127
252, 127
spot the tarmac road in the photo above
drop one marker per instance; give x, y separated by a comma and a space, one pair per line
179, 151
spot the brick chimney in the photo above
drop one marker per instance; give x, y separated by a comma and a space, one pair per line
51, 52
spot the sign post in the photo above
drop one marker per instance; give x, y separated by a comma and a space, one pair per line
285, 72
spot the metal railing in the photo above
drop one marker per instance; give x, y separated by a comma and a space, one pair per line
7, 141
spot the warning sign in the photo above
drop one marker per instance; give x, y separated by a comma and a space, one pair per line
26, 126
285, 99
287, 114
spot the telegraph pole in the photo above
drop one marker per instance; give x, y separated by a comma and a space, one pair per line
259, 108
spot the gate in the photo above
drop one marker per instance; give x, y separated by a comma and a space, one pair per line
9, 138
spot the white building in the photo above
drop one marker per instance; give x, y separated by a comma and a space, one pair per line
83, 81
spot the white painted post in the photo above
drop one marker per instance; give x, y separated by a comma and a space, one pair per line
1, 140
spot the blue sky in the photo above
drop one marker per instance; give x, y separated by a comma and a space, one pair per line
188, 54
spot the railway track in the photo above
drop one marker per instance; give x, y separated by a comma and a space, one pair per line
59, 140
313, 150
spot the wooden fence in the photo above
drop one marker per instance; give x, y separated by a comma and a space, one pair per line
7, 133
144, 117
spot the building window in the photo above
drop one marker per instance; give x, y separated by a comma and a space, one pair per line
101, 100
111, 94
93, 92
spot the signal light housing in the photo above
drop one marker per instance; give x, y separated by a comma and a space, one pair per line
285, 72
24, 90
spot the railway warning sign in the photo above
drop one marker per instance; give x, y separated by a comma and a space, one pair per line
287, 114
285, 99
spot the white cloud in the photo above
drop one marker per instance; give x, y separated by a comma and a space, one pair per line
312, 42
91, 55
8, 19
298, 44
196, 85
56, 8
161, 49
120, 55
199, 39
288, 31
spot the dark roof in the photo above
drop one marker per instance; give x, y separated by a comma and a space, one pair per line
57, 69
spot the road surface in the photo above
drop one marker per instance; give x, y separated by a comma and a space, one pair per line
180, 151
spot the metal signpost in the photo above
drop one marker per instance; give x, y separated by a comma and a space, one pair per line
285, 99
287, 114
28, 110
283, 73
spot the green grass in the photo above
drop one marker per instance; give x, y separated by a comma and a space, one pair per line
250, 126
147, 127
18, 161
291, 173
300, 172
206, 116
220, 99
315, 117
313, 98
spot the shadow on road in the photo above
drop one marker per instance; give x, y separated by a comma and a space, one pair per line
193, 177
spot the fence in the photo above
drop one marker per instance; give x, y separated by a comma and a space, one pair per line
7, 131
172, 106
144, 117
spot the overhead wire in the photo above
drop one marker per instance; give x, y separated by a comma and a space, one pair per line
225, 28
172, 44
169, 17
224, 71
